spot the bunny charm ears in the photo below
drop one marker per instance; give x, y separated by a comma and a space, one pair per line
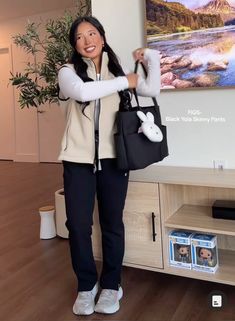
149, 129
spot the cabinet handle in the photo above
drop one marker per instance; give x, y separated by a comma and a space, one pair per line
153, 227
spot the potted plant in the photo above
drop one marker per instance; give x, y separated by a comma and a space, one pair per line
37, 84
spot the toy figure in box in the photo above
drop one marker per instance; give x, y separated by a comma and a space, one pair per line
204, 252
205, 257
180, 249
183, 253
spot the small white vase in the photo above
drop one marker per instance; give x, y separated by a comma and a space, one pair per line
47, 228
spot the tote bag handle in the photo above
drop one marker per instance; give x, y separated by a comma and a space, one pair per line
137, 63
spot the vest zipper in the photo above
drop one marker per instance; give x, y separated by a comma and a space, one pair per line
67, 129
97, 163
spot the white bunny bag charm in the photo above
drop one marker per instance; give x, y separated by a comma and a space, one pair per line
149, 128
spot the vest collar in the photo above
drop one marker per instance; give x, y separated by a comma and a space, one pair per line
104, 62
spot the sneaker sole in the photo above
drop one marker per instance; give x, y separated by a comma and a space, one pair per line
114, 308
92, 310
84, 313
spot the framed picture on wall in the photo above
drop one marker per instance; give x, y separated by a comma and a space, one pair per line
196, 40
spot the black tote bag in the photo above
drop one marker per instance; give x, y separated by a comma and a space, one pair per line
134, 150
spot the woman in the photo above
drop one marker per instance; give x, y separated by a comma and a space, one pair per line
93, 83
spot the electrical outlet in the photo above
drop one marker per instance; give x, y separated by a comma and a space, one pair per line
219, 164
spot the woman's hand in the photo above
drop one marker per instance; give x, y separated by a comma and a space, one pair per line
132, 80
138, 54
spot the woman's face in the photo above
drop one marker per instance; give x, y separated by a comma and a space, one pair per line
89, 42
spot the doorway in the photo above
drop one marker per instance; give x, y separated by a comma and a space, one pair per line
7, 136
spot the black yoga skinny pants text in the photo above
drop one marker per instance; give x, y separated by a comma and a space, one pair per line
81, 186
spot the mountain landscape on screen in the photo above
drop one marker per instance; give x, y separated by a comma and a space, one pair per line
196, 41
221, 7
177, 16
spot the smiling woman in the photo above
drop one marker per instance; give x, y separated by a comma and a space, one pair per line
89, 43
94, 83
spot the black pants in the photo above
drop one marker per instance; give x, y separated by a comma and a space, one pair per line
81, 185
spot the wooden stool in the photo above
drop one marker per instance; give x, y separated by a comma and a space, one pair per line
47, 228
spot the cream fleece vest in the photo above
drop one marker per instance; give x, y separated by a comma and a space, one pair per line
78, 142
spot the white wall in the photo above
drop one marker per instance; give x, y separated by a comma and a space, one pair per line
195, 143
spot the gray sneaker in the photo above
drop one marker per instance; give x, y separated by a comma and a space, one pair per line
108, 302
85, 302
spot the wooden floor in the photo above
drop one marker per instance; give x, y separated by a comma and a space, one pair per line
36, 279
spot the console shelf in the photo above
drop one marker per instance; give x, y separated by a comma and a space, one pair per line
199, 218
224, 274
186, 196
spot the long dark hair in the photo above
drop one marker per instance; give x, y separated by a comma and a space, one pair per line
81, 67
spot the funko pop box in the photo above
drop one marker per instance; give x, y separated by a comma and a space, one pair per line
204, 252
180, 248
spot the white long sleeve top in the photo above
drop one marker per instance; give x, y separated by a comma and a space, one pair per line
72, 86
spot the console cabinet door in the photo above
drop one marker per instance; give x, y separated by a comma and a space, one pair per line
141, 250
142, 203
